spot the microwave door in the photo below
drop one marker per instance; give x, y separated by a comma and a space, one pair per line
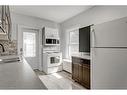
52, 41
48, 41
57, 41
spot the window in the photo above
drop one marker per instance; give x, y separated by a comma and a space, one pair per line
29, 44
73, 42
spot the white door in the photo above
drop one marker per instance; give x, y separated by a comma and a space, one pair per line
31, 47
110, 34
109, 68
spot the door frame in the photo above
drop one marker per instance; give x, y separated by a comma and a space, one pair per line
20, 45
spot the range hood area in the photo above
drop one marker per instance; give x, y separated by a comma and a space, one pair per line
5, 23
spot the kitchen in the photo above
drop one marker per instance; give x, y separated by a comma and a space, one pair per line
54, 50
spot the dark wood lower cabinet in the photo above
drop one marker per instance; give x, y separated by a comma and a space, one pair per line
81, 71
86, 75
75, 72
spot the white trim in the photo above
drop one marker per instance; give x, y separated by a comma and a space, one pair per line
68, 37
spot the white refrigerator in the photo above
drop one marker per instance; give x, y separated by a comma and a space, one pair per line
109, 55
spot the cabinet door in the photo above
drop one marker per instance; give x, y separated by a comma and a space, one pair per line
75, 71
51, 33
80, 72
86, 75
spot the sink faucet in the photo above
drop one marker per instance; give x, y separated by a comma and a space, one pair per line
2, 47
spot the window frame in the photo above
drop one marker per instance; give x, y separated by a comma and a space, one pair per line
70, 44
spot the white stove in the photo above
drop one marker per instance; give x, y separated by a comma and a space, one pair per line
52, 61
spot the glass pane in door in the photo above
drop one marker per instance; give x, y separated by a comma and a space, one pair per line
29, 44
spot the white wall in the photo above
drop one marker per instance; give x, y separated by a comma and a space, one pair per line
29, 21
18, 19
32, 21
95, 15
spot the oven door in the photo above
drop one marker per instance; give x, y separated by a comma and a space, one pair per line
54, 59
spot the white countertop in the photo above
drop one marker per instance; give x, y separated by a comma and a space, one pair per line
10, 56
18, 75
83, 56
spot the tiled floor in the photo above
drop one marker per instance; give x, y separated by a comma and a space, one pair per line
58, 81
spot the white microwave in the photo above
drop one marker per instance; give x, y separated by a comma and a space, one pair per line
51, 41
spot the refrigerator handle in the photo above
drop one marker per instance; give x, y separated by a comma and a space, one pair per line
92, 37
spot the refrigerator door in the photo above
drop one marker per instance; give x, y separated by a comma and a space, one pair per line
110, 34
109, 68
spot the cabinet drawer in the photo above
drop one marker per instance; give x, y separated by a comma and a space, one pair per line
86, 66
76, 60
84, 61
80, 60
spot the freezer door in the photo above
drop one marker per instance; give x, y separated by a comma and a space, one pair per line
109, 68
110, 34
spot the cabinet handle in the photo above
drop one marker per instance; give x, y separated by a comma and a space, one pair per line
80, 65
81, 61
86, 67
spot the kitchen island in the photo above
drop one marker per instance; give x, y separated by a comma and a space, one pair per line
19, 75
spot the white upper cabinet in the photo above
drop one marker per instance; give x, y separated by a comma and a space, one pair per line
51, 33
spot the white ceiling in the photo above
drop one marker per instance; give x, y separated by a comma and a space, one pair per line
53, 13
